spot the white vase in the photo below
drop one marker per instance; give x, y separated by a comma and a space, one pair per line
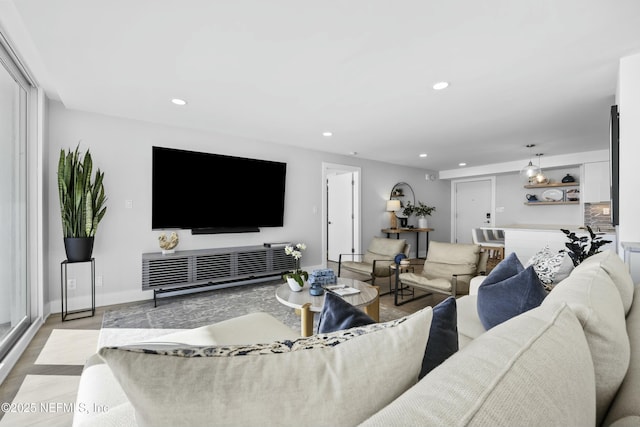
422, 222
293, 285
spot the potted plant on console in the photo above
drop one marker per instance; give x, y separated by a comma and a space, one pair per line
297, 278
422, 211
81, 203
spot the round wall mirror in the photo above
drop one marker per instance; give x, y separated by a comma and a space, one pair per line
403, 192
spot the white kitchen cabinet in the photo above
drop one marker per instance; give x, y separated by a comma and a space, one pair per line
595, 182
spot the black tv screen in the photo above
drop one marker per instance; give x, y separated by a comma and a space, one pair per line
614, 153
213, 193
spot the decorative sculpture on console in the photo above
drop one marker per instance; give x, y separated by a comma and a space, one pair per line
168, 245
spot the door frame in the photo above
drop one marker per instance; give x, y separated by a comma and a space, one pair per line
454, 208
357, 227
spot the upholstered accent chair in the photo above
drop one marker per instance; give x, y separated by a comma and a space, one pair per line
447, 270
376, 260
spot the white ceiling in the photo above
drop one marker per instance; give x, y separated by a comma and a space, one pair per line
541, 72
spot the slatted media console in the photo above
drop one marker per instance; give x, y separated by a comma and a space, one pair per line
210, 267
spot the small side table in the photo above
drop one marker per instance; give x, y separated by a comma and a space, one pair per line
394, 271
64, 292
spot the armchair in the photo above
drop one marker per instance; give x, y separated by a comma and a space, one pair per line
377, 259
447, 270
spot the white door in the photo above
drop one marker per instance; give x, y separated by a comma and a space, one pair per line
472, 207
340, 215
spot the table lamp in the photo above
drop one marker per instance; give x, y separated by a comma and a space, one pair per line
393, 206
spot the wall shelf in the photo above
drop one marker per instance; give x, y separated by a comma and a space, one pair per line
552, 203
555, 184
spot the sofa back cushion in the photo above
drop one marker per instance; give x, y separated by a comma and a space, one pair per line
453, 253
595, 299
627, 401
274, 384
446, 259
534, 369
617, 270
382, 248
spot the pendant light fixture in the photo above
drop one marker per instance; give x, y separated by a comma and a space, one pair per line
530, 170
539, 177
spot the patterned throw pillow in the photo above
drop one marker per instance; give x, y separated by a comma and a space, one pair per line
551, 267
341, 378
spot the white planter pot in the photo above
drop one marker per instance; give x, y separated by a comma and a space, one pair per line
293, 285
422, 222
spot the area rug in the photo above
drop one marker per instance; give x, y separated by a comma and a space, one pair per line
195, 310
68, 347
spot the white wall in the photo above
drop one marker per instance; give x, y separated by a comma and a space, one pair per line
122, 149
629, 107
510, 195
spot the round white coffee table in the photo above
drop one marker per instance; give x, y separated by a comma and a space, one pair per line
306, 304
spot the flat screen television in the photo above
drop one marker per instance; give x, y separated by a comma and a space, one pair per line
614, 153
212, 193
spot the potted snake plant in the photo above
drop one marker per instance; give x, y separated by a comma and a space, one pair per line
81, 203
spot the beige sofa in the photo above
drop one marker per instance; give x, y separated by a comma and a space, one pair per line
572, 361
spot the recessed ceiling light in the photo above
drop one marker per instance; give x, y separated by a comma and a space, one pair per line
462, 164
327, 134
440, 85
179, 101
423, 155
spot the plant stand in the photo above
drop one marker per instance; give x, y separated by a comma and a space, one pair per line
64, 292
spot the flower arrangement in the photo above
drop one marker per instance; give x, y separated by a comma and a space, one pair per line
298, 275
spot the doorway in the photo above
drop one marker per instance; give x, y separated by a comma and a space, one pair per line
341, 211
473, 206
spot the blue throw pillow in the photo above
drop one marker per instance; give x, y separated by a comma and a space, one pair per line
510, 266
501, 297
443, 336
337, 314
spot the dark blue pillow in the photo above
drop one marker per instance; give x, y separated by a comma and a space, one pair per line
337, 314
443, 336
500, 300
510, 266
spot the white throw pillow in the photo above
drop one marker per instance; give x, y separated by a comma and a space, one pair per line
551, 267
341, 378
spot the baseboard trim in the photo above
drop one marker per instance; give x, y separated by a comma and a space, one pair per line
20, 346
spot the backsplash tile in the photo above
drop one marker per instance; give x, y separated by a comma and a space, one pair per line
595, 218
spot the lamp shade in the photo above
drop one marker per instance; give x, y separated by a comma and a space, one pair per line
393, 205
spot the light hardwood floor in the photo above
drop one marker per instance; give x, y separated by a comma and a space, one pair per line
26, 364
